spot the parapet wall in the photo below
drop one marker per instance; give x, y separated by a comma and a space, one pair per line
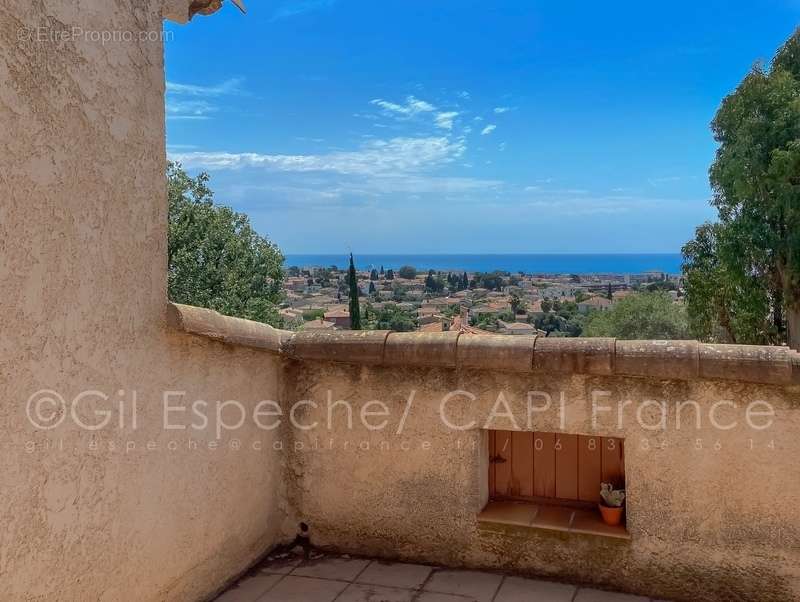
392, 460
673, 360
389, 452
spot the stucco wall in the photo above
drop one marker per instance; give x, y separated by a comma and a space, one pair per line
715, 523
83, 306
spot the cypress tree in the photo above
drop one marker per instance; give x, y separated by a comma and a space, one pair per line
355, 308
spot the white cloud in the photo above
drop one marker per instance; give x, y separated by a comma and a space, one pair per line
501, 147
190, 101
411, 108
464, 94
189, 109
231, 86
501, 110
444, 120
488, 130
397, 155
419, 184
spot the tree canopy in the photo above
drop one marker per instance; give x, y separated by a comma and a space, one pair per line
216, 259
392, 317
640, 316
408, 272
742, 273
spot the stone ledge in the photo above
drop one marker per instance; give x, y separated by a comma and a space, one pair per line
658, 359
353, 346
435, 349
667, 360
574, 355
495, 352
233, 331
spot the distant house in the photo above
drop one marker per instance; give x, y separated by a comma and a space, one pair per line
432, 327
427, 310
319, 324
491, 309
429, 318
291, 316
461, 324
535, 308
598, 303
339, 317
296, 284
440, 302
515, 328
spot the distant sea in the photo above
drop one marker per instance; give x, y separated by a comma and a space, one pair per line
601, 263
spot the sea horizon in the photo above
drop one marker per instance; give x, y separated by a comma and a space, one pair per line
529, 263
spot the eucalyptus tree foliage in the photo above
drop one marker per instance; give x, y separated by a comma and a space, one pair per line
216, 259
742, 273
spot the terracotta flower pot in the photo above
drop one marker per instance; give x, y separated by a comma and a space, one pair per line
611, 516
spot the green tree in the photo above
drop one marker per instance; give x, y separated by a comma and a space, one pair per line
640, 316
493, 281
662, 285
355, 306
313, 314
723, 304
392, 317
434, 282
517, 304
399, 292
452, 310
408, 272
216, 259
754, 249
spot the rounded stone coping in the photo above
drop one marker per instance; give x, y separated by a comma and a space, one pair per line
667, 360
234, 331
353, 346
435, 349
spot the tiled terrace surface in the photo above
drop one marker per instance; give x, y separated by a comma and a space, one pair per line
348, 579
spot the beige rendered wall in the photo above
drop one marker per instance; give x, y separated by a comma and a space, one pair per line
83, 307
716, 523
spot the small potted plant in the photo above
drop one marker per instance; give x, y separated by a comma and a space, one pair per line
611, 506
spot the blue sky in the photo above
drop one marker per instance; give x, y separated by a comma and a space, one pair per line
463, 126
